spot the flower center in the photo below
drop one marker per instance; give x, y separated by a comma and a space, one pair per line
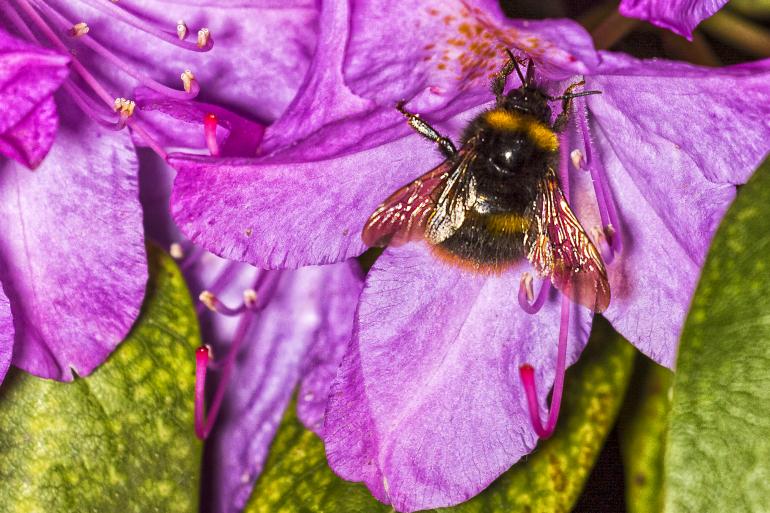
44, 22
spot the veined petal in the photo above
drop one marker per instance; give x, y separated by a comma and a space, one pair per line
679, 16
72, 257
275, 215
286, 343
674, 139
428, 407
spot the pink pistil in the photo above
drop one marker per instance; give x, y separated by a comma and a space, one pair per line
527, 375
210, 133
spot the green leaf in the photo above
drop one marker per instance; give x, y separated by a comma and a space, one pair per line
752, 8
120, 440
718, 452
296, 477
642, 430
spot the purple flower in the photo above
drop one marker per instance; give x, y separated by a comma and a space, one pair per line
72, 258
680, 16
436, 395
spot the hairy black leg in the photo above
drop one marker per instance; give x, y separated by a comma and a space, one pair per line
445, 145
498, 84
566, 104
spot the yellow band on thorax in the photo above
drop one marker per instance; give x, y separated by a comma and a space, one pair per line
541, 134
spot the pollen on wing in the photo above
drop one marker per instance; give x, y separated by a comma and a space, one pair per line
541, 135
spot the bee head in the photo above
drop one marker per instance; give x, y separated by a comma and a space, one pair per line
530, 100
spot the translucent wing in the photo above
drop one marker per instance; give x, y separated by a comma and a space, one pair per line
559, 247
403, 216
426, 204
455, 198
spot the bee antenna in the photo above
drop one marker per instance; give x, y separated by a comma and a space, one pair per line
515, 65
530, 72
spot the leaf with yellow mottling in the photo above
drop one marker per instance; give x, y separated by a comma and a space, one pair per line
717, 456
120, 440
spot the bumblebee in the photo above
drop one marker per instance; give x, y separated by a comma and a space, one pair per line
498, 199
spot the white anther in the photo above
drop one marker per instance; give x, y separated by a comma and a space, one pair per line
578, 160
124, 106
181, 30
176, 251
208, 299
187, 80
79, 29
203, 37
609, 230
250, 298
526, 282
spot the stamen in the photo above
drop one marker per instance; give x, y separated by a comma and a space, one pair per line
190, 84
79, 29
527, 375
526, 294
124, 107
265, 283
604, 198
84, 74
181, 30
600, 240
210, 133
231, 268
145, 25
214, 304
119, 63
85, 103
204, 38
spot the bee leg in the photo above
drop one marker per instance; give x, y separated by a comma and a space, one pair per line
566, 106
498, 84
445, 145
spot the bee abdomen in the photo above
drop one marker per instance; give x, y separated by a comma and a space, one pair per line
487, 242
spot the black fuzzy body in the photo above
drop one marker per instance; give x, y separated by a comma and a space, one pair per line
512, 158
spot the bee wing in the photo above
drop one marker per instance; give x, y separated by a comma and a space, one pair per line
403, 216
455, 198
433, 205
559, 247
